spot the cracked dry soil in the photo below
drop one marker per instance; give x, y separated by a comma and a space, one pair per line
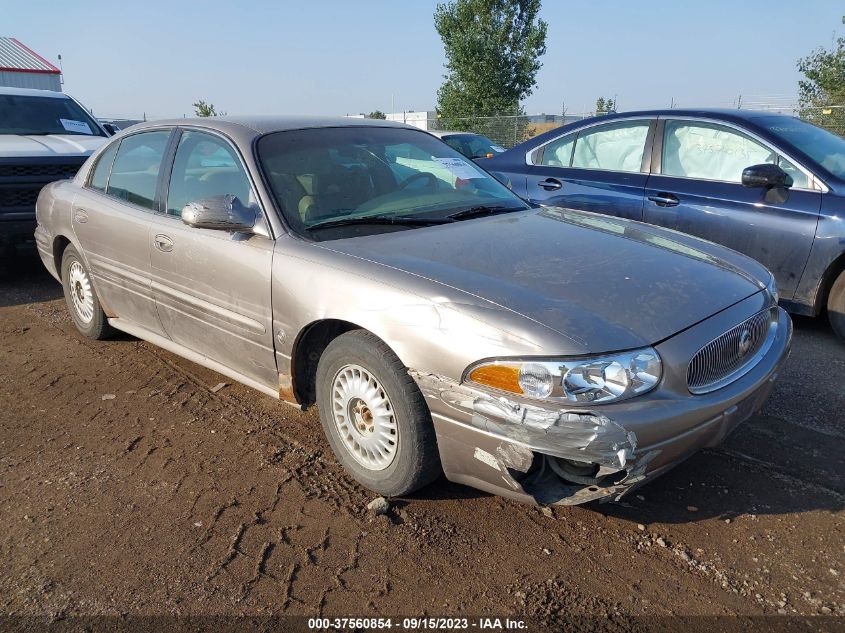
170, 498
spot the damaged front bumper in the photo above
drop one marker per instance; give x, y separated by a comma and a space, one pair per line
533, 452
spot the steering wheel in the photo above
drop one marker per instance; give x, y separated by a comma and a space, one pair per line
431, 178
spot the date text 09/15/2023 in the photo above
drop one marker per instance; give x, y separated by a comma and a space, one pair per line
417, 623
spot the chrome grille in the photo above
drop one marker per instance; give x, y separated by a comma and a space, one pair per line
732, 354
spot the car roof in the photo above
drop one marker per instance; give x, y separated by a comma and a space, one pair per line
726, 113
32, 92
258, 125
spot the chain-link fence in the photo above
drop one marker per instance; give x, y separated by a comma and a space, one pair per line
829, 117
508, 130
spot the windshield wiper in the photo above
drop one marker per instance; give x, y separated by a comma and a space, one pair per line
378, 219
481, 210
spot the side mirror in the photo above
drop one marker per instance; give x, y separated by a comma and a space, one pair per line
111, 129
766, 175
219, 212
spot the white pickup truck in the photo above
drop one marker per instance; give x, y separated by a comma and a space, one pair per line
44, 136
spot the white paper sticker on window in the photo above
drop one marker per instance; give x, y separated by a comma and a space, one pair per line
79, 127
459, 168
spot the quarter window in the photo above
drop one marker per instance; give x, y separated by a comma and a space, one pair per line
558, 153
711, 152
134, 174
612, 147
799, 178
205, 166
100, 176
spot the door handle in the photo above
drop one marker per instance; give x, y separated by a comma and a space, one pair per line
664, 199
550, 184
80, 216
163, 243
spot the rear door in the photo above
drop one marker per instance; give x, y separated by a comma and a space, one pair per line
212, 287
601, 168
696, 188
112, 216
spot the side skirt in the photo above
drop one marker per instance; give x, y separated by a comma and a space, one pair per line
184, 352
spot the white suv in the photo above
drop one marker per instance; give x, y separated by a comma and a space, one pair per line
44, 136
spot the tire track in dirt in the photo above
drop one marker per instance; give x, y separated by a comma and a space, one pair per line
282, 529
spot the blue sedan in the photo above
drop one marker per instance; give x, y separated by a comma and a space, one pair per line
767, 185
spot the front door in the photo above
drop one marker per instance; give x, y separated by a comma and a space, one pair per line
212, 287
600, 168
698, 190
112, 216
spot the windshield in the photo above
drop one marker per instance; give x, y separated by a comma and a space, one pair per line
25, 114
328, 175
827, 149
473, 145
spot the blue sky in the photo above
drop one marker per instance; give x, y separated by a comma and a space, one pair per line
334, 57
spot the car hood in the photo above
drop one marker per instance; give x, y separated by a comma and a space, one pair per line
605, 283
12, 145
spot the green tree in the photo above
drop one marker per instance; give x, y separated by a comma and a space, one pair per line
605, 106
493, 50
823, 87
201, 108
376, 114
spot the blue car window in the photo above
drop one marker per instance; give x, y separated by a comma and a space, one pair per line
799, 178
612, 147
558, 153
695, 149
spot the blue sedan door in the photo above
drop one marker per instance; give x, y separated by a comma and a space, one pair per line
601, 168
696, 189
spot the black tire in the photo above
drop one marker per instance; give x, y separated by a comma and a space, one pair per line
97, 326
416, 461
836, 306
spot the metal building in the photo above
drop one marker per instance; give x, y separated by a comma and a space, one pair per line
21, 67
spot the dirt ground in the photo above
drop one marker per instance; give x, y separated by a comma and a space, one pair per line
128, 487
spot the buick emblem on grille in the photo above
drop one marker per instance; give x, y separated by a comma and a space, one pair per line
744, 342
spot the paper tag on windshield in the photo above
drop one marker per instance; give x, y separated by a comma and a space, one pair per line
79, 127
459, 168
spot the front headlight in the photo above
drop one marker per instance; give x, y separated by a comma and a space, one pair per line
772, 287
599, 379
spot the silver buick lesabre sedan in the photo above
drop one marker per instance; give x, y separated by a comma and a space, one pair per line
439, 323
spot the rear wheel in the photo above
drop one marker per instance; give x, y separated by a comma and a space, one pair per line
836, 305
82, 301
374, 416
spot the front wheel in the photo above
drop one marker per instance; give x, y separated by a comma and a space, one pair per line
374, 416
82, 301
836, 305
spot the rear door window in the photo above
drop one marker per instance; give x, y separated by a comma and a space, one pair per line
134, 174
100, 176
612, 147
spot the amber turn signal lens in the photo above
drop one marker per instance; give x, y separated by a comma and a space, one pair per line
502, 377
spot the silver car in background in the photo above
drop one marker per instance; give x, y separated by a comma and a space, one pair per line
439, 323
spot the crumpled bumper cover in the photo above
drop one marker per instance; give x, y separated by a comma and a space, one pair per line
503, 445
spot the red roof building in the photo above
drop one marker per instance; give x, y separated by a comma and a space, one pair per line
21, 67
